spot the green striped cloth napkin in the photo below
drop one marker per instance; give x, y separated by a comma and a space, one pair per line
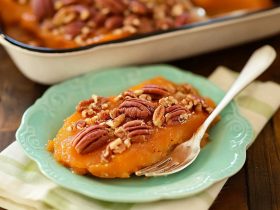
23, 187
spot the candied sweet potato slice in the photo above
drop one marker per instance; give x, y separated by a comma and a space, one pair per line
125, 153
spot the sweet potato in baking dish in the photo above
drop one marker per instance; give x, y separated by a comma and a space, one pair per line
61, 24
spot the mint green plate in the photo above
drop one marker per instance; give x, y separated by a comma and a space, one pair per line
221, 158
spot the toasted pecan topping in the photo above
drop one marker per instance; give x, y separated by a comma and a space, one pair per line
42, 8
90, 139
146, 97
136, 108
68, 14
158, 116
113, 6
168, 101
133, 116
125, 95
88, 21
176, 114
136, 128
117, 146
84, 105
80, 124
116, 122
155, 90
138, 7
129, 94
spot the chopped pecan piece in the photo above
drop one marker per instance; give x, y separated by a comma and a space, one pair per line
168, 101
125, 95
138, 7
84, 105
116, 122
129, 94
145, 97
103, 115
155, 90
176, 114
120, 132
113, 113
80, 124
136, 128
96, 103
91, 139
136, 108
117, 146
115, 7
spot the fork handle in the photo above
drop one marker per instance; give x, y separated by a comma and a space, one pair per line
259, 61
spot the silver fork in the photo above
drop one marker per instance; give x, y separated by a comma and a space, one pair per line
185, 154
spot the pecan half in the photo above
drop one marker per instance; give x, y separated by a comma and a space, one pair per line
90, 139
114, 22
136, 108
158, 116
176, 114
74, 28
42, 8
136, 128
114, 6
138, 7
155, 90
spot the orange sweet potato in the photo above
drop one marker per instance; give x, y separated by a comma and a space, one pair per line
139, 155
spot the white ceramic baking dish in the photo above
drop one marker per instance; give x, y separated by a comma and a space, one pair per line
50, 66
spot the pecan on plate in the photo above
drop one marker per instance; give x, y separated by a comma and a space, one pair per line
136, 128
155, 91
125, 95
129, 94
158, 116
116, 122
116, 146
91, 139
176, 114
136, 108
84, 105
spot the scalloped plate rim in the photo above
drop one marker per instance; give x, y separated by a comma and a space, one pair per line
175, 195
